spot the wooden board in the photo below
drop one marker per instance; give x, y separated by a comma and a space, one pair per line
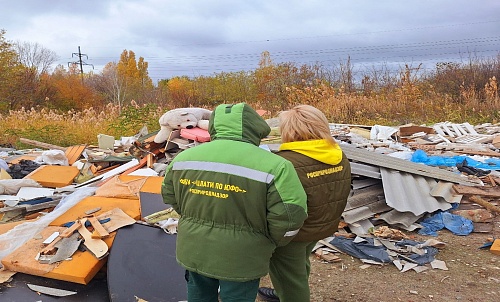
52, 176
142, 265
82, 267
73, 153
481, 191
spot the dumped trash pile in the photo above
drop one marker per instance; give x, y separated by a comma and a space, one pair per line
61, 208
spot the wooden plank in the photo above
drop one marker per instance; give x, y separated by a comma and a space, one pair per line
485, 204
65, 234
141, 164
41, 144
98, 228
73, 153
471, 190
98, 247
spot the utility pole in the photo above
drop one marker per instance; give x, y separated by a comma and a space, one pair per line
79, 54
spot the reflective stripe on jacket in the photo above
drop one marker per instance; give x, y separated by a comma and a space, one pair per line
237, 201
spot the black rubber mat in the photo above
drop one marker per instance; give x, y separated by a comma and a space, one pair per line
142, 265
18, 291
151, 203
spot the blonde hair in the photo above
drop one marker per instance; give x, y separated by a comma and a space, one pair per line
303, 123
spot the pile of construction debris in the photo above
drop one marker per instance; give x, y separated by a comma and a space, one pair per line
409, 178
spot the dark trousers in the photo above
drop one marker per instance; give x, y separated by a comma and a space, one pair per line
205, 289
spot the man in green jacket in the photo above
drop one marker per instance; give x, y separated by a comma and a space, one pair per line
237, 202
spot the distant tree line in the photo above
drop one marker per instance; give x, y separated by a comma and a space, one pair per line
342, 91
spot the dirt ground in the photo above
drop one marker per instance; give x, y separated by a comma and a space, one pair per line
473, 275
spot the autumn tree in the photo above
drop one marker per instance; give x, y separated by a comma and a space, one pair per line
67, 91
134, 75
226, 87
180, 91
272, 81
9, 67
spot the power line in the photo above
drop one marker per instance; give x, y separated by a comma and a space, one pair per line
79, 54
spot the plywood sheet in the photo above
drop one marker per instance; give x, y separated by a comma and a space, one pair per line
52, 176
80, 269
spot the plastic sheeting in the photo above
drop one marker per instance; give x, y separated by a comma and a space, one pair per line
457, 224
366, 249
362, 250
419, 156
379, 132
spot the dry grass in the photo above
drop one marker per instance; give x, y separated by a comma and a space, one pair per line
406, 103
57, 128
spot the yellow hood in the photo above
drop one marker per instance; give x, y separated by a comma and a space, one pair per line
319, 149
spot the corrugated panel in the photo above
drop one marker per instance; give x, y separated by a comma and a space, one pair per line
365, 170
395, 217
365, 196
361, 227
365, 212
373, 158
406, 192
363, 183
445, 190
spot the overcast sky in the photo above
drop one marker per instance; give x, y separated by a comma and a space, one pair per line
203, 37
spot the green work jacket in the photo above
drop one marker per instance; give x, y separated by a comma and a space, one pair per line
237, 201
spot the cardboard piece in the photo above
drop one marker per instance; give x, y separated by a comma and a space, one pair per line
496, 141
117, 188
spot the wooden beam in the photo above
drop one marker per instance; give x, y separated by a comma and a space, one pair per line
99, 231
487, 205
41, 144
481, 191
65, 234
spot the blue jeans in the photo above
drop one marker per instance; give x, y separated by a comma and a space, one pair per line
205, 289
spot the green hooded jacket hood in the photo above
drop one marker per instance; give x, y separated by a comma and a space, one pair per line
237, 122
